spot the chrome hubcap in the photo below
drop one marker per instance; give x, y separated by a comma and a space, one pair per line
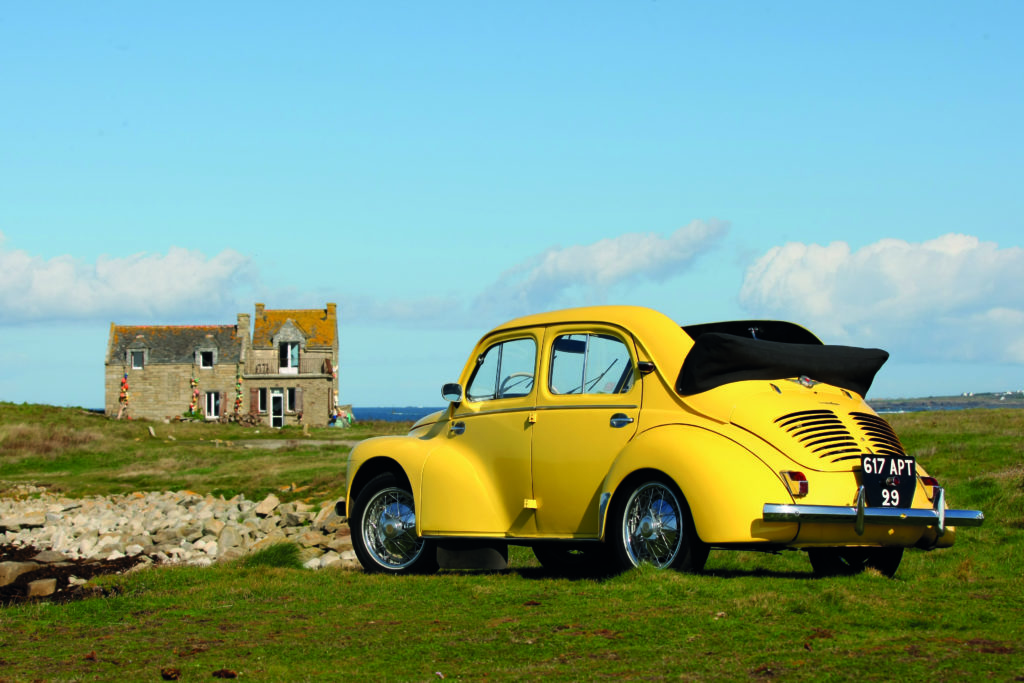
393, 528
648, 529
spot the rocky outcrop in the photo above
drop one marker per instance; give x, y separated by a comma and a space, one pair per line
169, 527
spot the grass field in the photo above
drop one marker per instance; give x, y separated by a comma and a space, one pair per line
956, 614
82, 453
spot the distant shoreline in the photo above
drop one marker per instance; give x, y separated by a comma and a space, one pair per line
881, 405
913, 405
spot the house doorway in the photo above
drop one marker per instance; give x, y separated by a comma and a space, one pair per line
276, 408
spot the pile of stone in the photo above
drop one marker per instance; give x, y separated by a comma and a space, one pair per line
171, 527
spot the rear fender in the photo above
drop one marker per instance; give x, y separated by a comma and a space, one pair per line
725, 484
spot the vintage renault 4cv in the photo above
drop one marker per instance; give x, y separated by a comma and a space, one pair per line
611, 436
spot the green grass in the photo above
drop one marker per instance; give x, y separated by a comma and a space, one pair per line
80, 453
955, 614
279, 555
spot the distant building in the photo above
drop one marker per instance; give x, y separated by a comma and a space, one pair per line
282, 372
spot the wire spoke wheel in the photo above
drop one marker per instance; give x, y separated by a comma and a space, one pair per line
384, 530
652, 529
389, 527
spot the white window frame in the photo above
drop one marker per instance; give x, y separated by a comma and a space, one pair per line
202, 359
287, 368
213, 405
131, 358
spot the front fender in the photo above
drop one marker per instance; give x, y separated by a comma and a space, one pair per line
382, 454
725, 484
450, 496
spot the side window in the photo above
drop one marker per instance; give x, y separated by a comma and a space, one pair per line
505, 370
590, 364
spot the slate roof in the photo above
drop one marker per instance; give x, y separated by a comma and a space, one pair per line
319, 326
174, 343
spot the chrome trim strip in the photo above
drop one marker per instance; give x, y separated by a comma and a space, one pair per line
601, 509
467, 415
589, 407
940, 509
839, 514
862, 507
530, 409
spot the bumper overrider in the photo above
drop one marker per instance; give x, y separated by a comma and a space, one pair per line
859, 514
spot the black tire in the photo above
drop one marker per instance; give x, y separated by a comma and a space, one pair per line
852, 561
650, 521
571, 559
383, 523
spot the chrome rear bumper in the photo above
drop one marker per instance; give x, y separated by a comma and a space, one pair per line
860, 515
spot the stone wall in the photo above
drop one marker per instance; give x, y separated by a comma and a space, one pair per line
161, 391
317, 395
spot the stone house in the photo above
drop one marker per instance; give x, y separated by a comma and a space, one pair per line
283, 371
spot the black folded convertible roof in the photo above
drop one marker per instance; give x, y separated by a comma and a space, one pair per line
766, 330
749, 350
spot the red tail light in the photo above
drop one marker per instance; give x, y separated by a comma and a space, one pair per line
796, 482
931, 487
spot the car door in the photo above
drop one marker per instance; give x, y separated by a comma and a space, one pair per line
588, 404
480, 483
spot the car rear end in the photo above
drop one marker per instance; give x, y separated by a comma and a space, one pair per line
850, 480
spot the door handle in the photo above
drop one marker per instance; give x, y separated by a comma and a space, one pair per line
620, 420
457, 428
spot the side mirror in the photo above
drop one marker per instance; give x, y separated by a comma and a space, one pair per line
645, 367
452, 392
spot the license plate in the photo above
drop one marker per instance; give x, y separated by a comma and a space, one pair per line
889, 481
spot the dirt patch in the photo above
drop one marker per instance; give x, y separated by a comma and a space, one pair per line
16, 593
275, 444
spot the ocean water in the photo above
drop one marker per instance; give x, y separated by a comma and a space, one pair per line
392, 413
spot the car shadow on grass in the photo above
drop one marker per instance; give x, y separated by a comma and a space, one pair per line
759, 572
546, 574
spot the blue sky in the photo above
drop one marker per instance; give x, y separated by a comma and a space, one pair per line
437, 168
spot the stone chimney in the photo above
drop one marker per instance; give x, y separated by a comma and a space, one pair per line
244, 335
332, 317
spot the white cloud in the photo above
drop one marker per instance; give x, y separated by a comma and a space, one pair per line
184, 285
141, 287
953, 297
584, 273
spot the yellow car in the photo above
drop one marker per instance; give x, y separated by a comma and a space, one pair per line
610, 436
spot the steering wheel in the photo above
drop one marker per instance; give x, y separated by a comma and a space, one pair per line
508, 384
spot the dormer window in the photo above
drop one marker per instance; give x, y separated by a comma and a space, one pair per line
137, 359
206, 359
289, 358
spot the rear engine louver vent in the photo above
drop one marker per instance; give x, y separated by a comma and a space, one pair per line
822, 433
883, 439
